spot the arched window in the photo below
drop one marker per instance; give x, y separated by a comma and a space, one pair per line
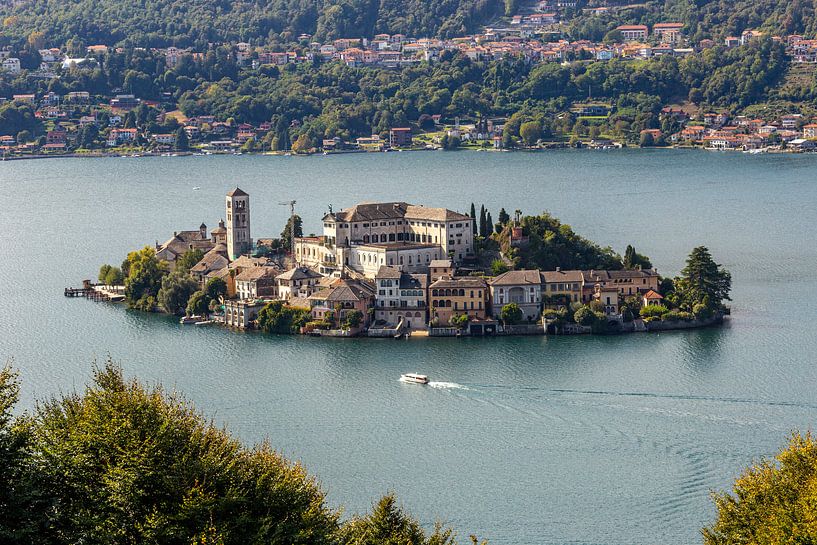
447, 292
434, 293
448, 303
391, 237
365, 238
383, 237
462, 293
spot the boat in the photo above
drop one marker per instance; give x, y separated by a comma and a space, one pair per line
414, 377
204, 322
187, 320
196, 188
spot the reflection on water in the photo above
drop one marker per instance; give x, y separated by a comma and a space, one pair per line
613, 440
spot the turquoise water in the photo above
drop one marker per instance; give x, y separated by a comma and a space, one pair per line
526, 440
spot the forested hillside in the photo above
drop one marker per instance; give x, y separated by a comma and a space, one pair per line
159, 23
706, 18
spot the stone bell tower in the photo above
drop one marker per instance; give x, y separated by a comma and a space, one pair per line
238, 223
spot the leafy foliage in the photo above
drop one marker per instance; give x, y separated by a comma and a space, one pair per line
511, 314
387, 524
176, 290
144, 274
772, 502
156, 23
553, 244
275, 317
702, 281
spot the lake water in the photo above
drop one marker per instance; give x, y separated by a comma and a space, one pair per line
614, 440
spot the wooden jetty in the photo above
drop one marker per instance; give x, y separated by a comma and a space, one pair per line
94, 292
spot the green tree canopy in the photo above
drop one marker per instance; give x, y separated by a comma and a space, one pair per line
511, 314
773, 501
703, 279
188, 259
144, 278
177, 288
286, 234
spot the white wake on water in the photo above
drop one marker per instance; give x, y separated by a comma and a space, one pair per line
447, 385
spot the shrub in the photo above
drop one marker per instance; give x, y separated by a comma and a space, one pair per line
671, 316
511, 313
585, 316
650, 311
498, 267
702, 311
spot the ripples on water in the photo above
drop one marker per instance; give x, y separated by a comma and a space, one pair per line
525, 440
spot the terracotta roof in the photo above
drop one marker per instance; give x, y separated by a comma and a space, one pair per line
441, 263
652, 295
237, 193
515, 278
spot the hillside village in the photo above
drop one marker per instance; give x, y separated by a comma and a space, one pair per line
79, 122
393, 269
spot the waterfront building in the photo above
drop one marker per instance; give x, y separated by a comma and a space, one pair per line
401, 297
561, 288
652, 298
405, 256
401, 222
242, 314
521, 287
626, 282
449, 297
342, 296
239, 239
214, 260
298, 282
254, 282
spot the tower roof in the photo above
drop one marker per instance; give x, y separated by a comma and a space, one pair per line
237, 192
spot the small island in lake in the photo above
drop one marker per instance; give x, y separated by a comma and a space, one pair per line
397, 269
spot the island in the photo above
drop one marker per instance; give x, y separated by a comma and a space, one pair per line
397, 269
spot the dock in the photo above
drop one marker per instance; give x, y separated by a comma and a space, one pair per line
96, 292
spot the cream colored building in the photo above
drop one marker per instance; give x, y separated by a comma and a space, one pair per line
239, 239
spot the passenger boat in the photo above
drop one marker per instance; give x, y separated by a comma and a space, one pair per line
415, 378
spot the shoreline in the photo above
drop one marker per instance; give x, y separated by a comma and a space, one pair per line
142, 154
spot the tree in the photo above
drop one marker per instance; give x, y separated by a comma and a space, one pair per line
530, 132
483, 222
23, 137
387, 524
23, 516
634, 260
511, 314
126, 463
197, 304
489, 223
111, 276
703, 278
188, 259
646, 140
286, 234
474, 219
275, 317
176, 290
460, 321
216, 288
303, 144
352, 319
507, 140
504, 218
772, 501
585, 316
182, 142
144, 278
498, 267
88, 136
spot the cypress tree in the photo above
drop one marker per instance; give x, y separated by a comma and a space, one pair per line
474, 218
490, 221
482, 221
504, 218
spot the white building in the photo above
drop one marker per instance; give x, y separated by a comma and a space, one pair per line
11, 65
401, 296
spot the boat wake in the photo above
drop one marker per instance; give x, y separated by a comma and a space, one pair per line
447, 385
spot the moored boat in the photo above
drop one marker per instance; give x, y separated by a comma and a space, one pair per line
187, 320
